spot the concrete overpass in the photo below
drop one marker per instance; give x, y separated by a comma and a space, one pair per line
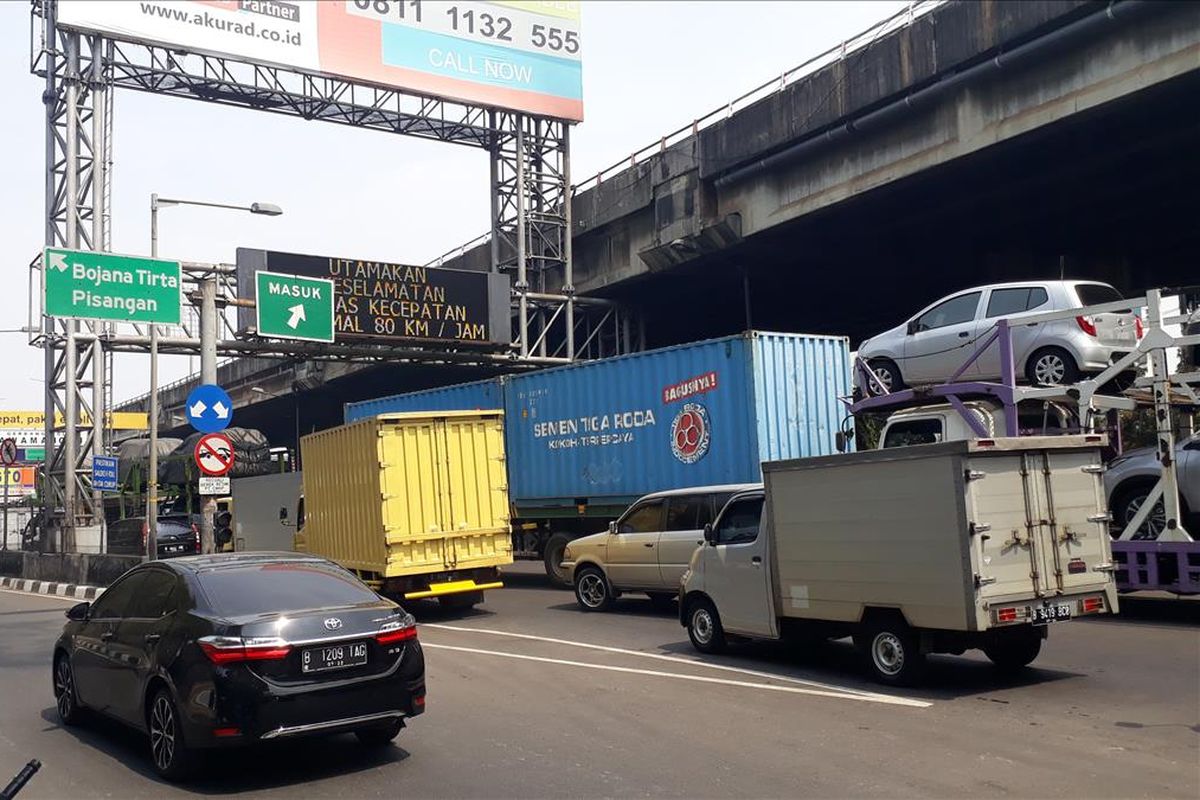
982, 141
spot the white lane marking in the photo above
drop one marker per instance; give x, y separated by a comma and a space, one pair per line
674, 660
896, 701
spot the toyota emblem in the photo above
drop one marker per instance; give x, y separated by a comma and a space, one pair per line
332, 624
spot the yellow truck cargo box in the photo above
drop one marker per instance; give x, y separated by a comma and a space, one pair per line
409, 494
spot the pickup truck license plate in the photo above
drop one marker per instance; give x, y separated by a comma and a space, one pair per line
336, 656
1044, 614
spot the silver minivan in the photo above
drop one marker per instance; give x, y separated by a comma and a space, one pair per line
647, 549
933, 344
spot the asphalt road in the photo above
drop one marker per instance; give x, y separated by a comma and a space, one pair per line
528, 697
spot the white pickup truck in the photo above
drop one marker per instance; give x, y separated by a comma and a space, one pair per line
911, 550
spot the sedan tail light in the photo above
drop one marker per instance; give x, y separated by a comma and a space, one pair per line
1087, 325
235, 649
397, 635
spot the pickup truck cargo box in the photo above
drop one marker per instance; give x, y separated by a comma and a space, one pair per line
946, 533
403, 495
603, 433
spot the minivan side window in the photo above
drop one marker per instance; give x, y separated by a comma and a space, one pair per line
739, 523
646, 518
1015, 300
950, 312
917, 431
688, 513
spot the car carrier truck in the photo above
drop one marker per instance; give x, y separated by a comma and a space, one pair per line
934, 548
586, 440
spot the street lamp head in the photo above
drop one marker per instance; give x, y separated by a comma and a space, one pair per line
257, 390
266, 209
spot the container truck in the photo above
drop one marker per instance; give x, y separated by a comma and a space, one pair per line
934, 548
414, 504
586, 440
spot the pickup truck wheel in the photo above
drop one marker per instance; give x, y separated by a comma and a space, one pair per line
553, 557
893, 653
592, 590
1012, 653
704, 627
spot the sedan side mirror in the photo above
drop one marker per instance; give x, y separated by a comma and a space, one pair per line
710, 535
612, 528
913, 326
79, 612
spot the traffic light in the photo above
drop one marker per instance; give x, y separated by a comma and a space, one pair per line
223, 529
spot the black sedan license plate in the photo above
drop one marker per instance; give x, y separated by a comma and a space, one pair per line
1044, 614
333, 656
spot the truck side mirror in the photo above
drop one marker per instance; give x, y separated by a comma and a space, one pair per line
839, 440
710, 536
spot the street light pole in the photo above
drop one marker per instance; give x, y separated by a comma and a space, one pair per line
208, 348
152, 478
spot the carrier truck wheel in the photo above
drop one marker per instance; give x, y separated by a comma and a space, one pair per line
554, 556
893, 653
704, 627
1011, 653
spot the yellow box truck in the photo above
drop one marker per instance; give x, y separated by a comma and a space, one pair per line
416, 504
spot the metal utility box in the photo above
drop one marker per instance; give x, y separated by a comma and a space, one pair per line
421, 497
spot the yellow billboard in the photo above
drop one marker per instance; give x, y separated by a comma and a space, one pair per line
121, 420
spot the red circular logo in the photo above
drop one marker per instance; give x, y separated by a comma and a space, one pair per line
690, 433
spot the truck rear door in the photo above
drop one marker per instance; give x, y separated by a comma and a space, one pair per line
1035, 517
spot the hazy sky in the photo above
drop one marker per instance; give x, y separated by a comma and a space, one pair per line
649, 68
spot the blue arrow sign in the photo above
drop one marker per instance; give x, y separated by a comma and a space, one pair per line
104, 473
209, 408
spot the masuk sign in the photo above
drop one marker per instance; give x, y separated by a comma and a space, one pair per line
380, 301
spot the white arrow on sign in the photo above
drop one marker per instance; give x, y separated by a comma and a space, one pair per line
297, 316
222, 411
197, 408
58, 261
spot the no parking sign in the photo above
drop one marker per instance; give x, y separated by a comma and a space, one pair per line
214, 454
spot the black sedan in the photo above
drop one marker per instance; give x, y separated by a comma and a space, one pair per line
211, 651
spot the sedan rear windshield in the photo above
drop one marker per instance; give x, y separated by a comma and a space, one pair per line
277, 588
1093, 294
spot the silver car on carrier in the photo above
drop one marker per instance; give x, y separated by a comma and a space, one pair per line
931, 345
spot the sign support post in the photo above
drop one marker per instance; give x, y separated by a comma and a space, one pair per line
208, 375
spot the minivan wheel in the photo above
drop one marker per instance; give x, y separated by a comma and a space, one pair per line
592, 590
704, 627
1051, 366
69, 712
171, 757
893, 654
553, 556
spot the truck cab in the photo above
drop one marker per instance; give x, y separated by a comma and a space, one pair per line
943, 423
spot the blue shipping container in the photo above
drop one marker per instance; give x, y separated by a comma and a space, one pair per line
691, 415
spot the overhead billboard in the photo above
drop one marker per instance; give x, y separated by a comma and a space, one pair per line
523, 56
379, 301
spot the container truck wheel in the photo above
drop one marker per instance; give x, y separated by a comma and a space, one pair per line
1011, 653
893, 653
593, 592
704, 627
553, 557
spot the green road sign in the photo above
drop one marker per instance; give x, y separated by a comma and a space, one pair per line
80, 283
35, 454
291, 307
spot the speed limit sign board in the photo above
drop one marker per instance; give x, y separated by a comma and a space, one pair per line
214, 454
8, 452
